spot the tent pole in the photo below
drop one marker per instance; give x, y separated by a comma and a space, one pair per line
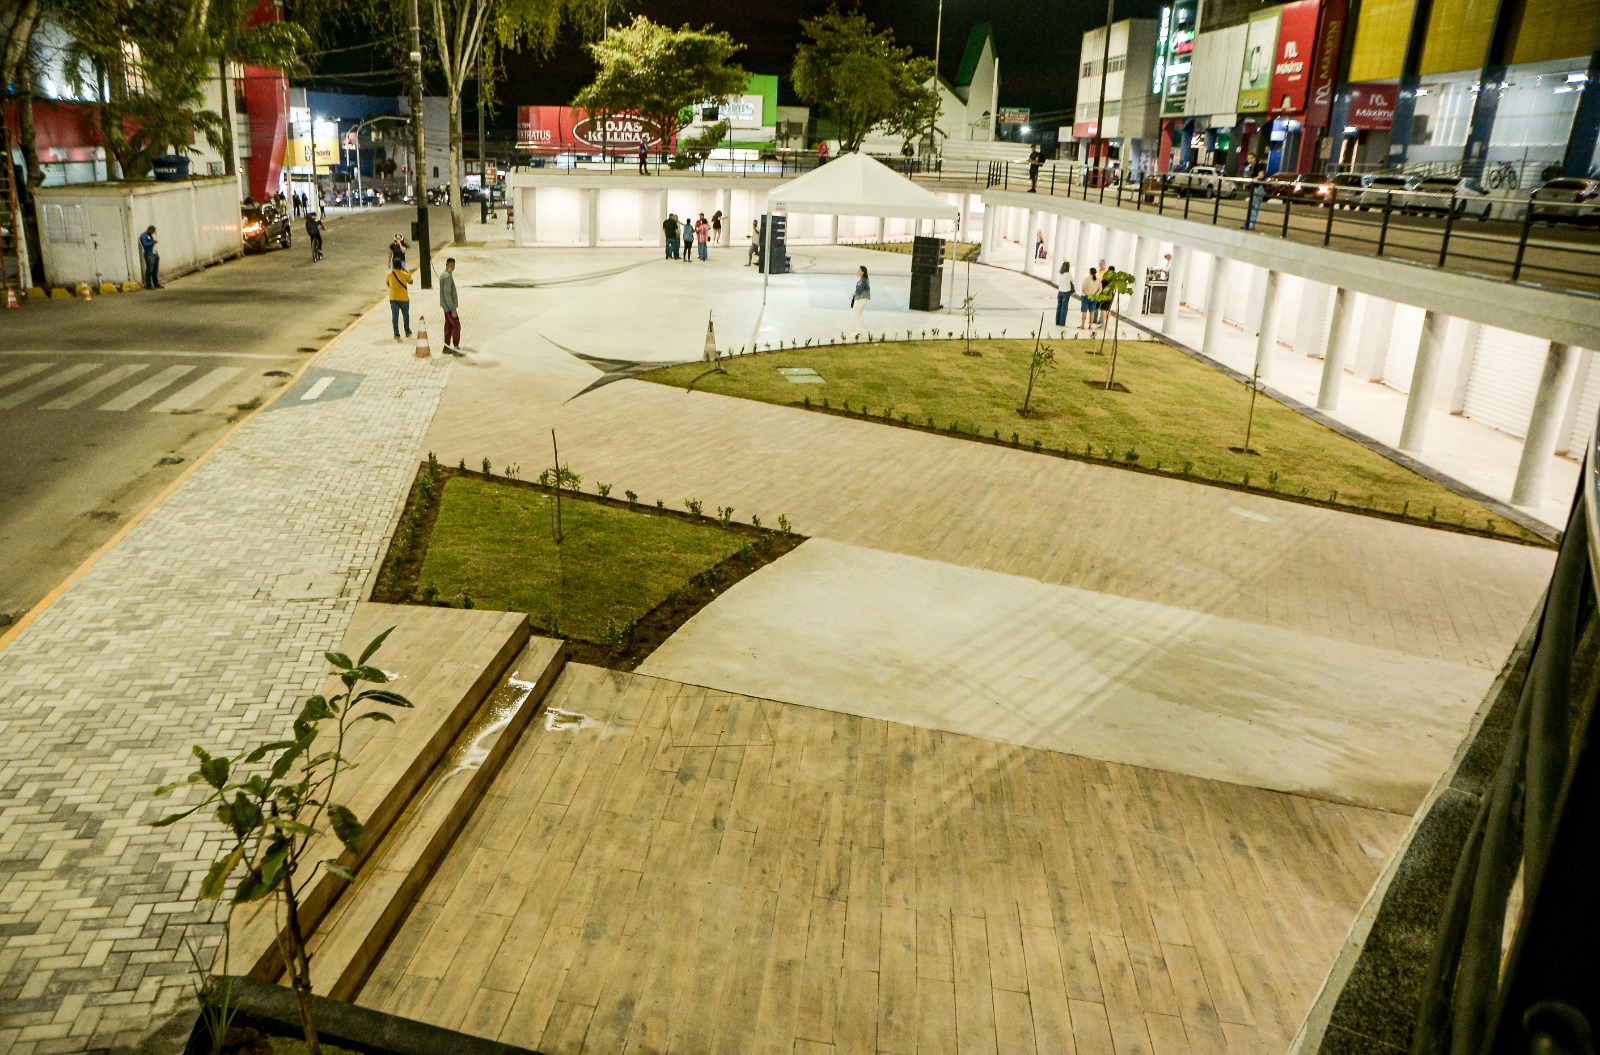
766, 255
955, 233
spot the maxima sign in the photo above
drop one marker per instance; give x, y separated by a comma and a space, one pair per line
558, 128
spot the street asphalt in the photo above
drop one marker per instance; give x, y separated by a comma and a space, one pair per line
102, 404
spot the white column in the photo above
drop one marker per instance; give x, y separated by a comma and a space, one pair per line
594, 217
1333, 360
881, 223
1180, 270
1544, 424
662, 209
1214, 291
1424, 383
986, 252
1145, 248
727, 215
1029, 264
526, 221
833, 231
1080, 256
1267, 334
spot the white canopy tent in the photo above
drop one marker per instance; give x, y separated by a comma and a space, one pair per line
852, 185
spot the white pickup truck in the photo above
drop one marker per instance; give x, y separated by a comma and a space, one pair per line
1203, 181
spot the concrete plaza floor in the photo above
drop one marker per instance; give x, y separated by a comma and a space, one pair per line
1070, 588
1167, 624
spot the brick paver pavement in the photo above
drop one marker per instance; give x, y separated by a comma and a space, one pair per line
182, 633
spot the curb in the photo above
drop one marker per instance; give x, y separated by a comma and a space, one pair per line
12, 632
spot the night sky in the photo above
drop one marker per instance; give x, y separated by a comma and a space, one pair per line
1038, 41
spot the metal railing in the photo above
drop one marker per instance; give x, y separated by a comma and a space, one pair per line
1525, 241
1533, 851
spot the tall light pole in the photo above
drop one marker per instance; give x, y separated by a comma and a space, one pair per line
1105, 63
419, 156
938, 39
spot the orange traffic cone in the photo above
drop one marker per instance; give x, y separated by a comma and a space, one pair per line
711, 340
422, 338
11, 297
83, 291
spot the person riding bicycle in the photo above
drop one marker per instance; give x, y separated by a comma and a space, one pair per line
314, 232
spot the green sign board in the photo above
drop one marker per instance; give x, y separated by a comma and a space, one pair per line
1013, 115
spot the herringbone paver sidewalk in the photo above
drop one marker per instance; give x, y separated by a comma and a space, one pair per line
185, 632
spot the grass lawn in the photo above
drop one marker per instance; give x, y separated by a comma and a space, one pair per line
963, 249
1179, 416
495, 543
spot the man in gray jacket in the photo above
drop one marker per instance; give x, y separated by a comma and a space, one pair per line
451, 303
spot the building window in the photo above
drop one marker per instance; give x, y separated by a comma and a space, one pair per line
1117, 62
436, 172
1088, 69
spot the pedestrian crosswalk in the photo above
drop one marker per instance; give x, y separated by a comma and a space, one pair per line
122, 387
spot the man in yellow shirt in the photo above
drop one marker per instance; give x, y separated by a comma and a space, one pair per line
399, 298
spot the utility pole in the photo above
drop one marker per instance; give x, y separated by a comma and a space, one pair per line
938, 39
1105, 63
419, 155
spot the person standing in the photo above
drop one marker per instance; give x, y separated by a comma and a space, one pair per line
688, 239
151, 259
399, 297
755, 244
669, 227
1089, 301
450, 304
1035, 160
716, 227
702, 234
1066, 286
1038, 245
822, 152
397, 252
863, 293
644, 160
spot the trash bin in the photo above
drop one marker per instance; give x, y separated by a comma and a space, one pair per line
169, 168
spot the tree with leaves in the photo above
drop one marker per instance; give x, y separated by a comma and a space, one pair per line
858, 76
272, 818
1114, 285
659, 74
467, 37
150, 61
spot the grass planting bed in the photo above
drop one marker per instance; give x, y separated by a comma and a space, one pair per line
624, 577
1177, 417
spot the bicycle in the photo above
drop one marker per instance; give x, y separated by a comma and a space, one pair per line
1504, 175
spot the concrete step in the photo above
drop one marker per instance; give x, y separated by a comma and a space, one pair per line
352, 936
446, 661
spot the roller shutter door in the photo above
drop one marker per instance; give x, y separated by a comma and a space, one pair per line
1505, 379
1201, 267
1290, 289
1236, 300
1588, 404
1404, 334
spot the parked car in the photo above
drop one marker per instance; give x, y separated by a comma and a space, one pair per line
1301, 186
1203, 181
263, 225
1574, 199
1384, 190
1345, 187
1438, 195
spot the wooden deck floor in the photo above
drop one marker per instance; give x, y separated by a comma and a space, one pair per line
684, 870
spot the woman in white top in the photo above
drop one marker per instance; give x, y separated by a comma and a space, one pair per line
1066, 286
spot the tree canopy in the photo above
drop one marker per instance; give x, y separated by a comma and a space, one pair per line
658, 73
858, 75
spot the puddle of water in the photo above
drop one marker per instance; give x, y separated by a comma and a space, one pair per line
486, 728
558, 721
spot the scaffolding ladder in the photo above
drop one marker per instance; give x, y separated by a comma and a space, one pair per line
13, 244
